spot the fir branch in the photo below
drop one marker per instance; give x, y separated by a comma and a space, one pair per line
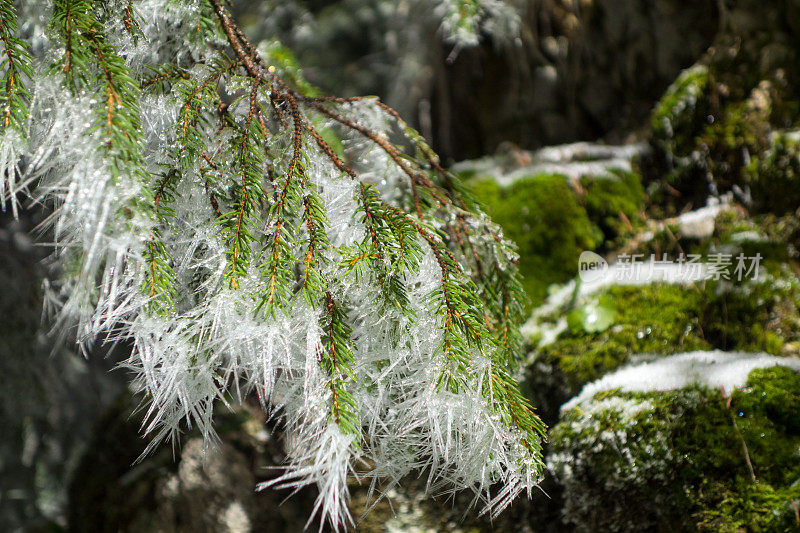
462, 226
415, 178
197, 98
161, 279
243, 51
160, 284
15, 62
462, 328
190, 145
328, 151
277, 269
129, 20
505, 398
162, 75
410, 133
207, 184
415, 314
318, 243
85, 41
248, 162
337, 360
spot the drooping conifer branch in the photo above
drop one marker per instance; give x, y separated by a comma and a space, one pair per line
248, 160
452, 347
337, 359
247, 239
87, 49
463, 325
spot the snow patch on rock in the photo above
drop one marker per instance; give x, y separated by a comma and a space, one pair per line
716, 368
700, 223
575, 161
625, 273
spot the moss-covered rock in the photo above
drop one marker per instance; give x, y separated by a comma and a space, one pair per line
676, 460
542, 215
663, 319
553, 221
706, 148
614, 203
720, 126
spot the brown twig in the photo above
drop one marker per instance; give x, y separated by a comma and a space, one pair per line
230, 29
415, 178
207, 185
746, 453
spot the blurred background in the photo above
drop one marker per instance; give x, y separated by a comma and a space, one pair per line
622, 127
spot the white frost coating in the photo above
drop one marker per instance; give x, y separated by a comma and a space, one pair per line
728, 370
463, 21
749, 236
11, 146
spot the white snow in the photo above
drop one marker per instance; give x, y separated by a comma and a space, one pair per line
699, 224
748, 236
577, 160
728, 370
574, 161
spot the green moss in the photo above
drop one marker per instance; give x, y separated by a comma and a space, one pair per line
766, 415
650, 319
735, 232
659, 319
749, 507
739, 131
749, 317
680, 114
774, 176
712, 144
542, 215
614, 204
723, 124
617, 464
675, 460
552, 224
